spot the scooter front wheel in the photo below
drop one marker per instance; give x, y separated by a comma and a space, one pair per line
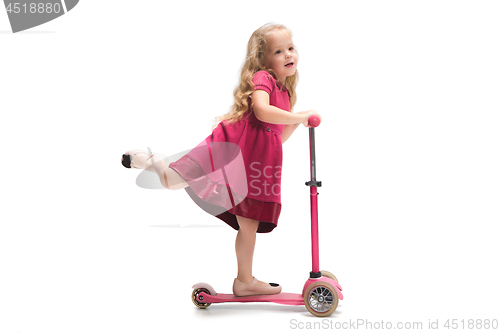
194, 297
329, 275
321, 299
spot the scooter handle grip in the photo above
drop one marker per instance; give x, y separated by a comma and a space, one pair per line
314, 121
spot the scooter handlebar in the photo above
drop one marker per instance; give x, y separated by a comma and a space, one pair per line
314, 121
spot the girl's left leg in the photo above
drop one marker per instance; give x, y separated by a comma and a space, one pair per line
245, 245
246, 284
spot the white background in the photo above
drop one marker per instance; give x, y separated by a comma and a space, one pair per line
408, 153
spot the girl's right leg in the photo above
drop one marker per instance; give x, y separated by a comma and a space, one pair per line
169, 178
174, 180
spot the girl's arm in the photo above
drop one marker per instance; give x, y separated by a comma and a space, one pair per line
271, 114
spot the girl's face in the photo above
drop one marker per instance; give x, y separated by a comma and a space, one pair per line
280, 54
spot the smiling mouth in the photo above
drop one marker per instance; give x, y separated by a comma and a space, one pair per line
290, 64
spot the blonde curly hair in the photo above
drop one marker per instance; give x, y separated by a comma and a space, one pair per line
254, 62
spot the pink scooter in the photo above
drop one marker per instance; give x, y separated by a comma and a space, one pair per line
321, 292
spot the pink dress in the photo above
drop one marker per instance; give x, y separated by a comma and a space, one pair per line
237, 169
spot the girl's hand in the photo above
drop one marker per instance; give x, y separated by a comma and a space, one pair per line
307, 114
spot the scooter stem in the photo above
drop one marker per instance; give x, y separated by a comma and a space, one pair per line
315, 273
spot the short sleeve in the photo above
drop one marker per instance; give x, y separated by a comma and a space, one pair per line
263, 81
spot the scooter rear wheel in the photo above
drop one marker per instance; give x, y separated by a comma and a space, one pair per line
321, 299
194, 297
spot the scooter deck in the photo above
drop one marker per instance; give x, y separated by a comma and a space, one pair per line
281, 298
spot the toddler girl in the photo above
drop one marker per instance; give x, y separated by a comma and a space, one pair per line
235, 173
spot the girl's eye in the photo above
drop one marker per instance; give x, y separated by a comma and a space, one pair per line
291, 48
278, 52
